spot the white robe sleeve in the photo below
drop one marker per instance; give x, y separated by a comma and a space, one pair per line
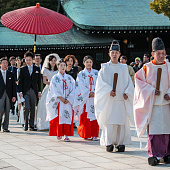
143, 102
168, 91
52, 100
129, 102
102, 94
71, 95
81, 94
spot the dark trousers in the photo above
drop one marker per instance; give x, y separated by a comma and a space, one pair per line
29, 109
4, 109
13, 107
158, 145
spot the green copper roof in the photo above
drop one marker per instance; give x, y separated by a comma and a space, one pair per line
114, 14
72, 37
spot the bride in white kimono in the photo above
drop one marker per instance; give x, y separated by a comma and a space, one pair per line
49, 69
84, 100
59, 103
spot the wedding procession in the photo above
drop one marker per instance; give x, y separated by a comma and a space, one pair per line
84, 84
105, 99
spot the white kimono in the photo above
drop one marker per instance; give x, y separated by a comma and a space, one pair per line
112, 112
64, 87
85, 84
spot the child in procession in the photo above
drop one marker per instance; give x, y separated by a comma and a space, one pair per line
59, 103
84, 100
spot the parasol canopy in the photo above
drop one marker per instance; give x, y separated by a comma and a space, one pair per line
36, 20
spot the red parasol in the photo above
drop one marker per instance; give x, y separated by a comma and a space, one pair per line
36, 20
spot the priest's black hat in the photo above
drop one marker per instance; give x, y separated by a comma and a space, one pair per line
115, 46
157, 44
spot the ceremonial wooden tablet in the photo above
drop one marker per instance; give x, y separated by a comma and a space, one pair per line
159, 72
115, 81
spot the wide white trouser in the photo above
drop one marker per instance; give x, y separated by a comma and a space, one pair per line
114, 134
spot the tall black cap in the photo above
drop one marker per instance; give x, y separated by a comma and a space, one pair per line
157, 44
115, 46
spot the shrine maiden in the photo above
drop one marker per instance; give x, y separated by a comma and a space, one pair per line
59, 103
151, 104
84, 100
113, 109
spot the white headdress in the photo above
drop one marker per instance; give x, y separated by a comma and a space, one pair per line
46, 61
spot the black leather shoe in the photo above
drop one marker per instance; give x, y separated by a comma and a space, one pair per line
33, 129
167, 159
6, 130
153, 161
18, 119
121, 148
109, 148
13, 112
25, 128
75, 127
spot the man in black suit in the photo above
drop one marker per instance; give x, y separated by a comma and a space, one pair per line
7, 93
29, 86
13, 69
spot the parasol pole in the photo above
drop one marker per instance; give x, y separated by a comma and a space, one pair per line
37, 6
35, 43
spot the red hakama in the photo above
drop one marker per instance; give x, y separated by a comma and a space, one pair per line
56, 129
87, 128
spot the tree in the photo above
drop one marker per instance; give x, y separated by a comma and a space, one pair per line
161, 6
10, 5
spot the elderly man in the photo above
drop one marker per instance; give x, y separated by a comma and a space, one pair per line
151, 104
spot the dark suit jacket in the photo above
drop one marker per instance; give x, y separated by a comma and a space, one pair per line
42, 84
14, 71
10, 86
25, 81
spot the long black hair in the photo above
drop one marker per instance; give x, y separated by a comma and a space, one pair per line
50, 59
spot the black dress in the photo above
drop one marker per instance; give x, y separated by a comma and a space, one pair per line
73, 72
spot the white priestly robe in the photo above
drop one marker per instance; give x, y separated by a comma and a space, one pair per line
63, 87
85, 83
148, 107
114, 110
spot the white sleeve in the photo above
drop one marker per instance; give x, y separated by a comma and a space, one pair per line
45, 72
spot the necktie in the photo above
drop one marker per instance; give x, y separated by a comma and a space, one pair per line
30, 70
4, 77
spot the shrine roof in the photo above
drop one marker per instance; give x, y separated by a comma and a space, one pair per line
114, 15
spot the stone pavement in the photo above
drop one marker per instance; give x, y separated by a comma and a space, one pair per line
36, 150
